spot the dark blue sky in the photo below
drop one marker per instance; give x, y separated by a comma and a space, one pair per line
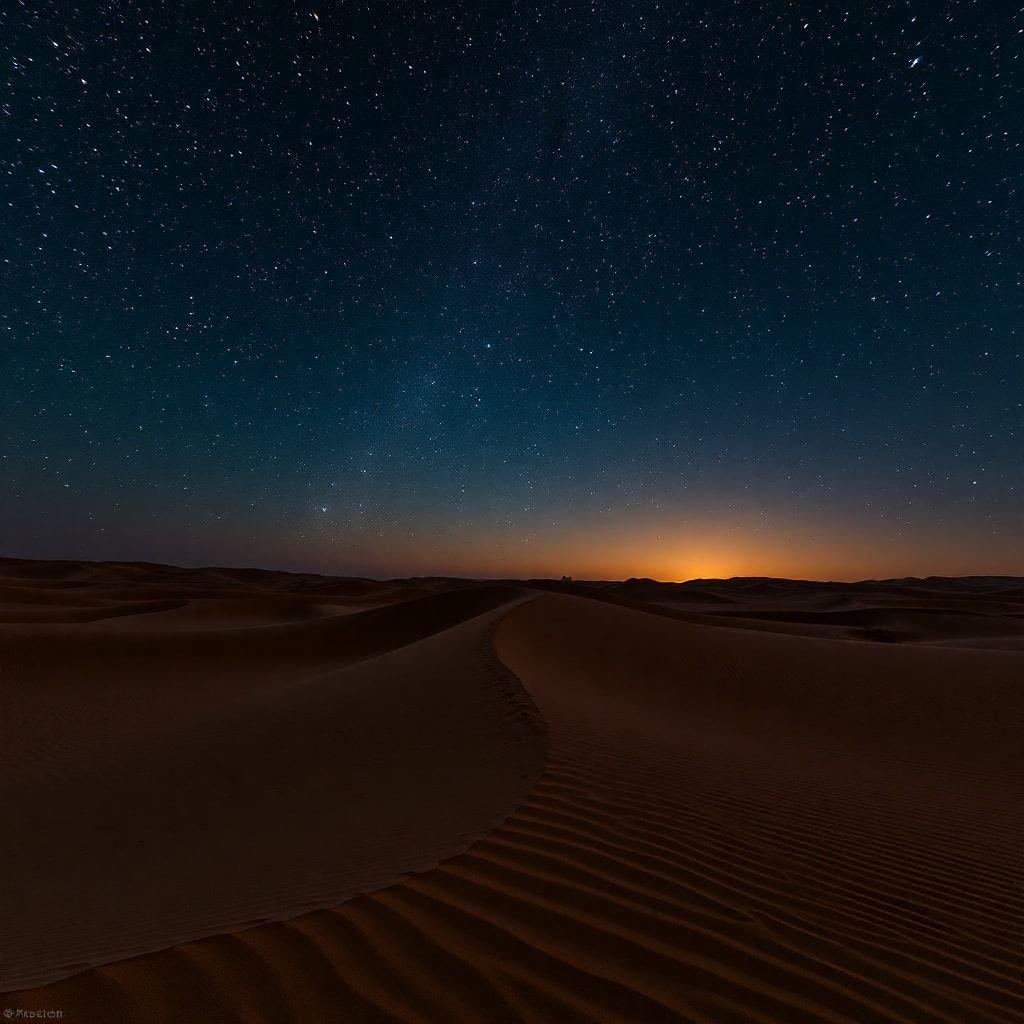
388, 288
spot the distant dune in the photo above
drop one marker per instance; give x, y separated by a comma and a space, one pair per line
235, 795
974, 611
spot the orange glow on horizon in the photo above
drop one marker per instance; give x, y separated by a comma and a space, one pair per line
693, 551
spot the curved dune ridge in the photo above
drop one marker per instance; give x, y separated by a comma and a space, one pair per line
731, 825
167, 785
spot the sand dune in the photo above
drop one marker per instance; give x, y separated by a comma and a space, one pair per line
970, 612
167, 784
729, 824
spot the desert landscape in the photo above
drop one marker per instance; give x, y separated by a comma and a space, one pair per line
511, 513
244, 795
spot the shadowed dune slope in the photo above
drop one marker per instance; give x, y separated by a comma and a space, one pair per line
731, 827
71, 592
167, 785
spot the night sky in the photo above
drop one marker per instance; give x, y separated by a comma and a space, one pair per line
667, 289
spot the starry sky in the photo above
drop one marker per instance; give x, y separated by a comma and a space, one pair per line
510, 289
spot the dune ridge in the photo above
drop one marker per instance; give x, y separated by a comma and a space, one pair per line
729, 825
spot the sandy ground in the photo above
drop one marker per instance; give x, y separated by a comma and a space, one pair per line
769, 802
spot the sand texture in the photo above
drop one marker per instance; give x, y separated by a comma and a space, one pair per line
598, 803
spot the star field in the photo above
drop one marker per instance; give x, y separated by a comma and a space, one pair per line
666, 289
